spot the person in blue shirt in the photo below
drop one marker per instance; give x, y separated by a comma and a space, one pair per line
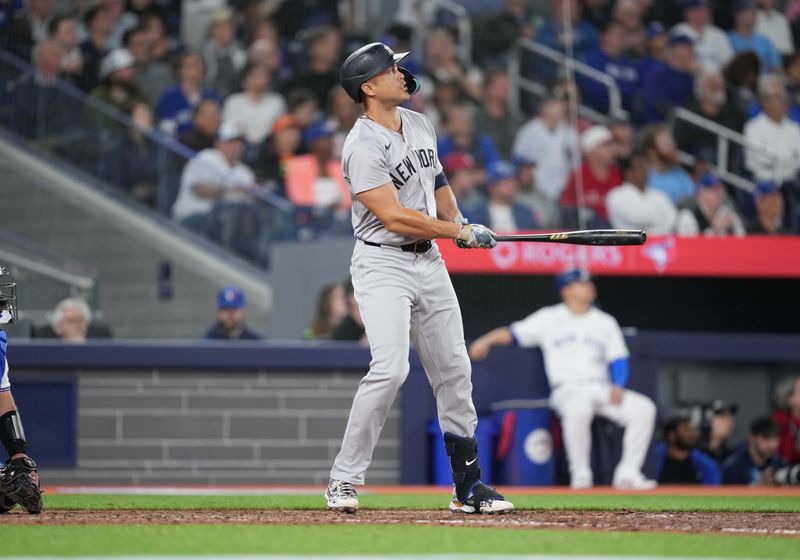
755, 460
500, 211
744, 38
553, 34
665, 173
670, 83
231, 315
678, 459
174, 107
461, 136
609, 59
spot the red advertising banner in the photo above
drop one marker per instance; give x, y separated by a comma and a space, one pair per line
756, 256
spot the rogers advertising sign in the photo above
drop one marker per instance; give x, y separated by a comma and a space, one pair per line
756, 256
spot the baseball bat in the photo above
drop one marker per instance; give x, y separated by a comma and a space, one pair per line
585, 237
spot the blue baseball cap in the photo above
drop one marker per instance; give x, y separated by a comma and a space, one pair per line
766, 187
741, 5
569, 276
499, 171
680, 39
655, 28
708, 180
230, 297
317, 130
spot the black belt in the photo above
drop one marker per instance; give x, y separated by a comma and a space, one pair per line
416, 247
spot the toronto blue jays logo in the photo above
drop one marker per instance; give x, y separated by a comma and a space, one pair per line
661, 253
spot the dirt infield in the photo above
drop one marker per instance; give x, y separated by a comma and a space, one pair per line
784, 524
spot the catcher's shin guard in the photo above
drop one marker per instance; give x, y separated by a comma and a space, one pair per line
12, 434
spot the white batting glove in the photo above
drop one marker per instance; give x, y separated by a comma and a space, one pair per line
475, 236
462, 221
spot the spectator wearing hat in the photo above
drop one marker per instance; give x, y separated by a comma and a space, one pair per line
772, 24
586, 361
98, 23
787, 416
610, 59
500, 211
709, 214
223, 56
634, 205
679, 461
666, 174
716, 430
590, 183
711, 46
256, 108
550, 145
206, 120
118, 87
155, 73
769, 211
670, 83
212, 176
315, 180
231, 316
495, 118
460, 135
655, 48
464, 179
755, 460
743, 36
174, 107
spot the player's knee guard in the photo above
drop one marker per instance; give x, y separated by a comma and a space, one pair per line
12, 434
463, 453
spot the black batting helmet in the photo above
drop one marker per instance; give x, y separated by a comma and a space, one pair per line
369, 61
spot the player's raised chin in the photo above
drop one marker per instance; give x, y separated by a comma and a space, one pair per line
388, 86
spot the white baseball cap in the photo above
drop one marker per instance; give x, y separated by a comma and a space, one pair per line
229, 131
594, 137
115, 60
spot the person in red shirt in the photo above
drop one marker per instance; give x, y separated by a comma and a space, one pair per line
787, 417
599, 174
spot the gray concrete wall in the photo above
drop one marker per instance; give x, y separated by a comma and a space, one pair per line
217, 427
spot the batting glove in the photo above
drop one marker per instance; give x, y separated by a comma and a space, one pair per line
462, 221
475, 236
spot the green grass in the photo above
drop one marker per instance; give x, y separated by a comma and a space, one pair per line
353, 540
637, 502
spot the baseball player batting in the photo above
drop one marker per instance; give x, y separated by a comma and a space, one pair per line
401, 202
586, 362
19, 480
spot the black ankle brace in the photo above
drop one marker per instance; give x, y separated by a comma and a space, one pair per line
11, 433
463, 453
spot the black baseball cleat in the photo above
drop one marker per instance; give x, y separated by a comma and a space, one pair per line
19, 483
481, 498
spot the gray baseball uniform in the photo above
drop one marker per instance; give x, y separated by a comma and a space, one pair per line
399, 291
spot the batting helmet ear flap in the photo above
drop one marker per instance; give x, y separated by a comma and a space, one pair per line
412, 83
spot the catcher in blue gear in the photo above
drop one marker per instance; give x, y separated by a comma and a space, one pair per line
19, 479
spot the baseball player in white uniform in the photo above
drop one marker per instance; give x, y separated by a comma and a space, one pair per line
401, 202
586, 361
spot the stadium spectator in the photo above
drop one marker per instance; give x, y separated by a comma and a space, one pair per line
787, 417
495, 118
329, 311
324, 47
442, 66
205, 126
656, 48
64, 31
231, 316
550, 144
162, 46
770, 206
610, 59
775, 137
267, 53
282, 145
495, 33
137, 157
670, 84
460, 135
710, 102
464, 179
589, 184
772, 24
741, 76
154, 76
710, 213
553, 32
629, 14
121, 22
118, 88
352, 326
72, 322
755, 460
97, 21
223, 56
666, 174
213, 176
500, 211
634, 205
302, 106
343, 115
679, 461
255, 109
174, 107
28, 26
743, 36
621, 135
669, 12
712, 47
315, 180
791, 71
716, 429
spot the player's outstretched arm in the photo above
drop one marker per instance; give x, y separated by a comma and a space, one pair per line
481, 347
